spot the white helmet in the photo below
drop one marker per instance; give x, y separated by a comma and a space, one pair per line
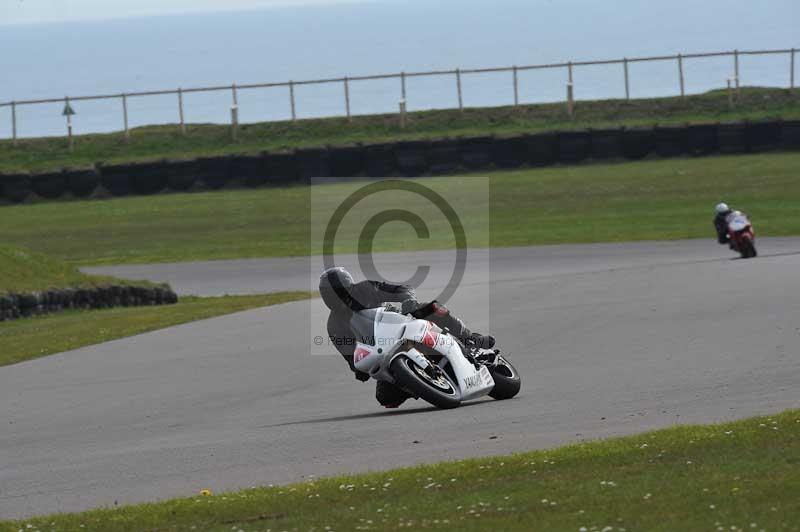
723, 208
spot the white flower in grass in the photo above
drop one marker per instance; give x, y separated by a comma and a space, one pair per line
711, 506
544, 501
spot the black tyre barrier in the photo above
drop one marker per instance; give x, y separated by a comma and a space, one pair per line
51, 185
412, 157
249, 169
671, 141
281, 168
510, 152
732, 138
379, 160
606, 143
346, 161
181, 175
311, 163
16, 187
542, 149
638, 143
476, 153
574, 146
763, 136
444, 157
116, 178
82, 183
13, 306
213, 171
702, 139
149, 178
790, 135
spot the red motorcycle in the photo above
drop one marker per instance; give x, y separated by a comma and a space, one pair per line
740, 233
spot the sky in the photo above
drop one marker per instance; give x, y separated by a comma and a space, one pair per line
42, 11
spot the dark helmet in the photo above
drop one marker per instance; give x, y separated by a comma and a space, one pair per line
334, 287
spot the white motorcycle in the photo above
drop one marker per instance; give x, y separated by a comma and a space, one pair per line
427, 362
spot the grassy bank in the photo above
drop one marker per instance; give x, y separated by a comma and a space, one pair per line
23, 271
649, 200
46, 335
737, 476
156, 142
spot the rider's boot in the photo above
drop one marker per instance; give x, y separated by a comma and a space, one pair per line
482, 341
389, 395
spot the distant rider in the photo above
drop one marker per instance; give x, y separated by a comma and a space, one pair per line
721, 222
343, 297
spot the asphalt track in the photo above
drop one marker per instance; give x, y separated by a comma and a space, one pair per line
610, 339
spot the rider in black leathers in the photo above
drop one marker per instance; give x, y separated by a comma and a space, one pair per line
343, 296
721, 222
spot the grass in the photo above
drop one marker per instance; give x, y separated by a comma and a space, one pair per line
647, 200
736, 476
24, 271
41, 336
158, 142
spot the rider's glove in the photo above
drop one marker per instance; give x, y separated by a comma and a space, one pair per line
363, 377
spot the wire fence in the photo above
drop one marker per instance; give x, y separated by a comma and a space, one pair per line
456, 76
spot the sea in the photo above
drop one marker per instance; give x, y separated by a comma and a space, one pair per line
278, 44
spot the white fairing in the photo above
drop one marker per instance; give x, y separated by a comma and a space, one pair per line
737, 221
396, 334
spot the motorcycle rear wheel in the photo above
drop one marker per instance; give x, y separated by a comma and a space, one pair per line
507, 382
439, 391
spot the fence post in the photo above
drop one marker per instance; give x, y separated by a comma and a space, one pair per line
14, 123
403, 85
680, 73
791, 69
570, 100
627, 80
570, 92
234, 122
291, 98
69, 122
736, 69
234, 114
180, 111
458, 84
347, 98
730, 95
125, 117
516, 87
402, 114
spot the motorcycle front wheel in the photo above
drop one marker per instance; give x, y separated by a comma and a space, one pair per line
507, 382
748, 250
432, 385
